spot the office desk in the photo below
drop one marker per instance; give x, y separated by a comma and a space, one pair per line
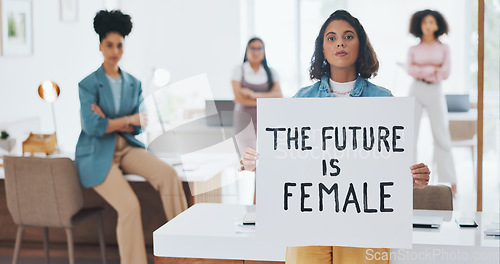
209, 233
200, 173
201, 186
202, 180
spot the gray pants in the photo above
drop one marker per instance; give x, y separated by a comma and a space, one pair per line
430, 97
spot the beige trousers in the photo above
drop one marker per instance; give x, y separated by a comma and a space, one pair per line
335, 255
117, 192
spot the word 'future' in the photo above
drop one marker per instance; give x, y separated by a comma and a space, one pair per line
368, 136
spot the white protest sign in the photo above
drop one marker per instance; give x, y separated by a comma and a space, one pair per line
335, 172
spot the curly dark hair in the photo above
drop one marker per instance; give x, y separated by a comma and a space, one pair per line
269, 74
366, 63
106, 22
416, 23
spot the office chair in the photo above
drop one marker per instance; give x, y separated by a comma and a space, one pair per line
46, 192
433, 197
462, 134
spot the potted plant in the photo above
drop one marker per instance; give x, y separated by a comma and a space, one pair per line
6, 142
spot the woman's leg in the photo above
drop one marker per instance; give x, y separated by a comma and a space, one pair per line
117, 192
160, 175
415, 91
309, 255
327, 254
438, 116
361, 255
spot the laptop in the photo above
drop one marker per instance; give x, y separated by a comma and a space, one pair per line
427, 221
219, 112
457, 102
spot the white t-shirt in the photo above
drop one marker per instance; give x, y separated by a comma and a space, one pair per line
252, 77
341, 89
116, 89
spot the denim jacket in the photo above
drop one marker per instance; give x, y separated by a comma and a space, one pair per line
362, 88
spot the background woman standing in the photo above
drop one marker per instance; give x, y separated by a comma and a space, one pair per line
254, 79
429, 64
109, 103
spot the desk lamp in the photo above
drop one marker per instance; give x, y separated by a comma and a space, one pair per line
49, 91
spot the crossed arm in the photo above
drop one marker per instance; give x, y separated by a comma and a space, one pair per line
122, 124
247, 97
96, 123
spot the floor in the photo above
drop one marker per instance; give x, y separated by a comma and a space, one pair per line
33, 253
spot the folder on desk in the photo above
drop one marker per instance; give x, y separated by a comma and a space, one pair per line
249, 218
492, 229
492, 232
427, 221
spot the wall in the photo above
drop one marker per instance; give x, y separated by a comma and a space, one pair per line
388, 33
187, 37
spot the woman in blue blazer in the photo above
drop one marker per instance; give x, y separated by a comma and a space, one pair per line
110, 100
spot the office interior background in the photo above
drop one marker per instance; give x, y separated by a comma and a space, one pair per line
192, 37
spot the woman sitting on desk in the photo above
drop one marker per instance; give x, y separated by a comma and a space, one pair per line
342, 61
109, 101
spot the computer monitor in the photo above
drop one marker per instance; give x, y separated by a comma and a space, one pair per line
457, 102
219, 112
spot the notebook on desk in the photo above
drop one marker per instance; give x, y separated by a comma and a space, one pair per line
249, 218
492, 229
427, 221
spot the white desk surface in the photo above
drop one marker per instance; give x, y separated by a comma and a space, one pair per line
196, 167
470, 115
212, 231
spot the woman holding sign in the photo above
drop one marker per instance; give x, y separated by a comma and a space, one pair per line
429, 64
342, 61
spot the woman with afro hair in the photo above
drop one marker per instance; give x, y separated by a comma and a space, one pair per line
106, 149
429, 64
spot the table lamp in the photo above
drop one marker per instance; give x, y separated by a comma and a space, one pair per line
49, 91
